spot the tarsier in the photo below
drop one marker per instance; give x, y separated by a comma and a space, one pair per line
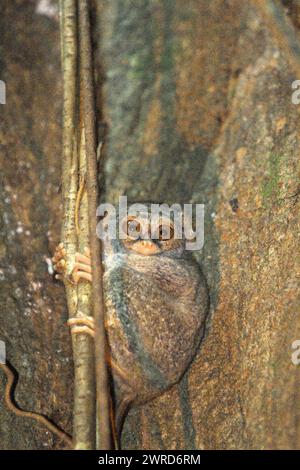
156, 302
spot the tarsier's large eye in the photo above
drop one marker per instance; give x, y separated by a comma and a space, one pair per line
165, 232
132, 228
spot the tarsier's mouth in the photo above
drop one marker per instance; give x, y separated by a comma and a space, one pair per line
145, 247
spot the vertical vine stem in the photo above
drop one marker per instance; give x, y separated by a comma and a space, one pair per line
88, 99
78, 299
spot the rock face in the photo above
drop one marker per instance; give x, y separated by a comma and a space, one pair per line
33, 313
197, 99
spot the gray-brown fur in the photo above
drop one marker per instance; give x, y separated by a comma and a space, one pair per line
156, 308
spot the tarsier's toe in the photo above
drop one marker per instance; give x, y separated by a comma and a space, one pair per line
82, 325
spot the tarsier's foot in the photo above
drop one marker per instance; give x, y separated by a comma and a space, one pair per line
82, 267
86, 325
82, 325
59, 262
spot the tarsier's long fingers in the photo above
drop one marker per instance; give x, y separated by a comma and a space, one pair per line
59, 262
82, 267
58, 258
87, 252
83, 259
59, 251
82, 275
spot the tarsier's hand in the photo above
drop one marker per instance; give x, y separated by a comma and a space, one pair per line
82, 266
81, 270
59, 262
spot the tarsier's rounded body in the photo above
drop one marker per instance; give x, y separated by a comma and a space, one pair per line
155, 308
156, 302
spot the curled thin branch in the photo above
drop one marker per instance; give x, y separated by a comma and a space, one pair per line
10, 403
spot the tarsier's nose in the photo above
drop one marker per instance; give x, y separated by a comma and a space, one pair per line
146, 243
145, 247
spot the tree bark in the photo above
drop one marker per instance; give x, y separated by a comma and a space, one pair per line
33, 308
196, 97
